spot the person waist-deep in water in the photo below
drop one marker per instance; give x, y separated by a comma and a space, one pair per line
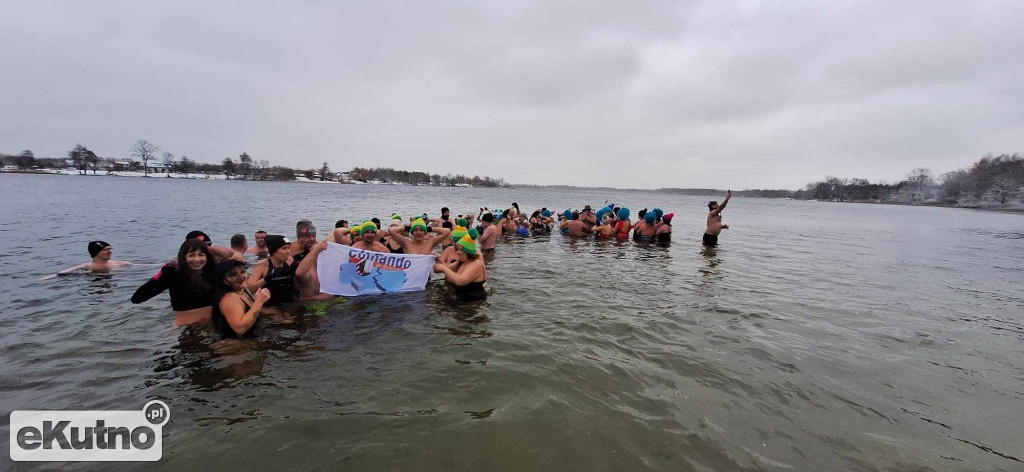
189, 280
715, 225
236, 310
468, 273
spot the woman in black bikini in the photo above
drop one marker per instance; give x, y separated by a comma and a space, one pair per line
468, 274
235, 309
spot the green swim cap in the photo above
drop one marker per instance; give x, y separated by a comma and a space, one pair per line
459, 232
418, 223
468, 242
462, 222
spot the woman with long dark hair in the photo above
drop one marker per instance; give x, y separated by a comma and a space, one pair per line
235, 309
188, 279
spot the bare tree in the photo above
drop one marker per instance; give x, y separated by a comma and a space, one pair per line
1004, 188
144, 151
953, 185
245, 164
185, 165
228, 167
81, 156
324, 169
169, 161
920, 179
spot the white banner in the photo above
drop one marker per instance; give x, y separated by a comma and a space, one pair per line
347, 271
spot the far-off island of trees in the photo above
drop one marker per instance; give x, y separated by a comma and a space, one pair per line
145, 159
991, 182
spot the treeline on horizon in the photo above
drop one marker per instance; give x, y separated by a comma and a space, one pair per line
991, 180
244, 167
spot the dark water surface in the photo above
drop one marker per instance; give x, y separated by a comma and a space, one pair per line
818, 337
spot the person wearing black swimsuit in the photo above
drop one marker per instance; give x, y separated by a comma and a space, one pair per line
235, 309
468, 274
189, 281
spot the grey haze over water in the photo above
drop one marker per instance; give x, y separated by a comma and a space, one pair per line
818, 337
710, 94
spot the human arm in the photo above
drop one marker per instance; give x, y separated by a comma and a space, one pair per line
259, 271
74, 268
442, 234
309, 261
224, 252
455, 277
238, 318
725, 202
155, 285
396, 234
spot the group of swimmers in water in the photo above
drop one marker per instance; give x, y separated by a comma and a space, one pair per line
210, 283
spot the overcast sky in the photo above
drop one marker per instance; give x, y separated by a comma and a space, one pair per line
720, 94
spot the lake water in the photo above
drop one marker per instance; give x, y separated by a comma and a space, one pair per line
819, 336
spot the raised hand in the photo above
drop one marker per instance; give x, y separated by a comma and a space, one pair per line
262, 296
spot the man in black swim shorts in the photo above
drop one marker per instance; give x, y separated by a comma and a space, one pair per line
715, 225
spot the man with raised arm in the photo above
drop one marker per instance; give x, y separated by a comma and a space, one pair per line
715, 225
421, 242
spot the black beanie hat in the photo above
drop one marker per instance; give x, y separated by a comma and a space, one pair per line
275, 242
96, 246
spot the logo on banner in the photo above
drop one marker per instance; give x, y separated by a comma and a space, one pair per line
93, 436
373, 272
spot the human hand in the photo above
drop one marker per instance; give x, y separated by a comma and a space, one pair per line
262, 296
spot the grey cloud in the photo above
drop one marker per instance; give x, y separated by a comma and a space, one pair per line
645, 94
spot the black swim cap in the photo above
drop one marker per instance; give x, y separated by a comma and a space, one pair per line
340, 224
488, 217
711, 204
275, 242
200, 236
96, 246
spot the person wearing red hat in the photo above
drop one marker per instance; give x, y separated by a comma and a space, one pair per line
665, 229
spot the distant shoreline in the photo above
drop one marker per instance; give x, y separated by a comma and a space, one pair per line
1003, 208
1018, 209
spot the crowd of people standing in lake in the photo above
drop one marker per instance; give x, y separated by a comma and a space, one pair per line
210, 283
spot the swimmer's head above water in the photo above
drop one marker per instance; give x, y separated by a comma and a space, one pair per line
276, 243
100, 249
418, 229
200, 236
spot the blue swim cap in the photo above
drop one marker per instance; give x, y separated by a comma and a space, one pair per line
546, 213
650, 218
658, 213
623, 213
567, 215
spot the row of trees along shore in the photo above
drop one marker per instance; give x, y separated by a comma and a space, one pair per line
992, 181
244, 167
